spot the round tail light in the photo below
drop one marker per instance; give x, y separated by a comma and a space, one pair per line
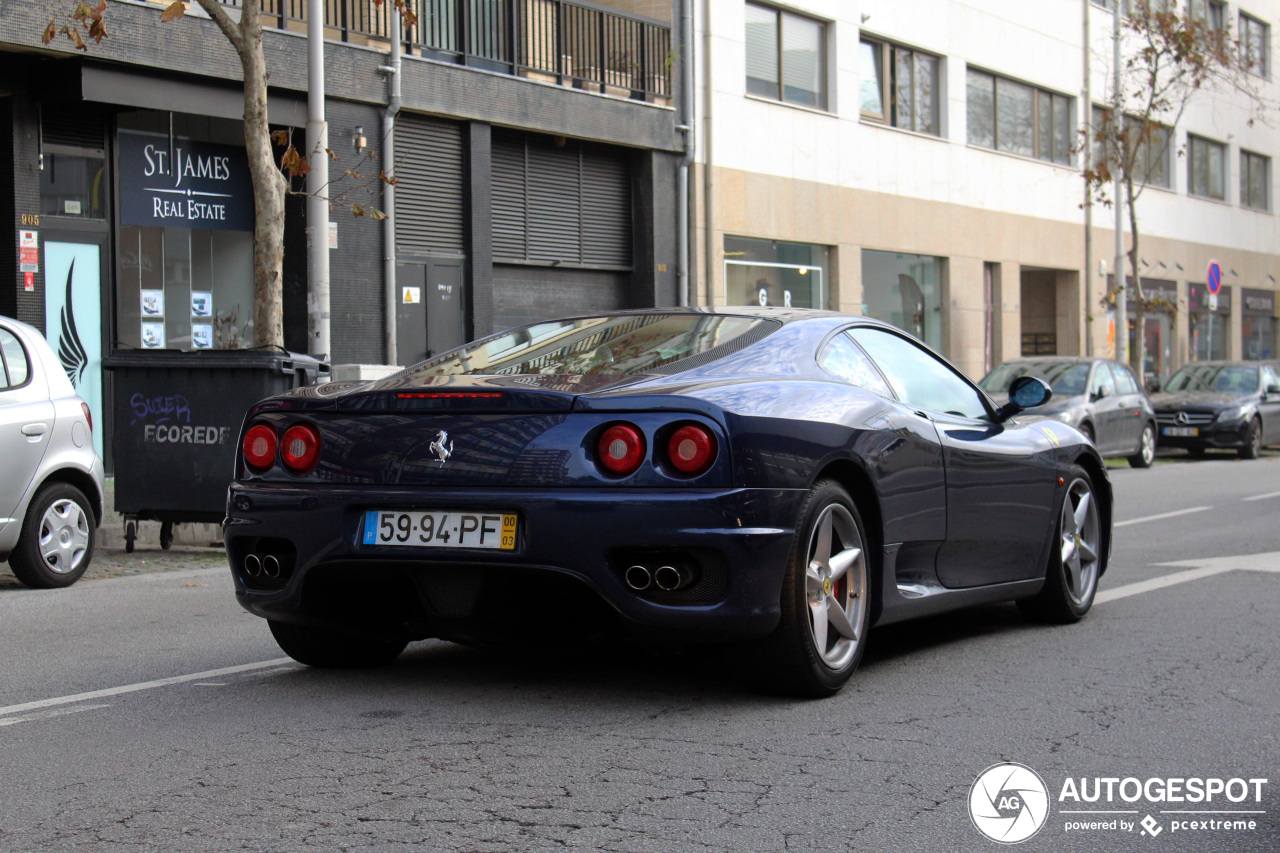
621, 449
691, 449
300, 448
260, 446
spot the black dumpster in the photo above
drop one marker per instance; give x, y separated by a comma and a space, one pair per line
176, 419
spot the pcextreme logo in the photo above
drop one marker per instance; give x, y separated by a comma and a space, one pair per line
1009, 803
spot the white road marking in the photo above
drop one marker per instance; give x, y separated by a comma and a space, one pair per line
142, 685
1173, 514
45, 715
1262, 497
1202, 568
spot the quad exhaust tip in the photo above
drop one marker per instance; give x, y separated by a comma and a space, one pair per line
639, 578
253, 566
670, 579
271, 566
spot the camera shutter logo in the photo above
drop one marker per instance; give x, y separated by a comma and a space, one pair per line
1008, 803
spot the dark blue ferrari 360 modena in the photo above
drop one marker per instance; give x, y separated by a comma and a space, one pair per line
781, 479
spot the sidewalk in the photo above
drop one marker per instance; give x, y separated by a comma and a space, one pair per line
147, 558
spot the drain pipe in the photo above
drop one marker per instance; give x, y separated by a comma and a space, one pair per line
392, 71
686, 126
317, 189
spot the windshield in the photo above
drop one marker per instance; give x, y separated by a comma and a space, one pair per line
1231, 378
1066, 378
615, 345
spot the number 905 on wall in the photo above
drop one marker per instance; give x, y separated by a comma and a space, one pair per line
442, 528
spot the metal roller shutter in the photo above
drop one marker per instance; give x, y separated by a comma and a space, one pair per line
430, 214
568, 203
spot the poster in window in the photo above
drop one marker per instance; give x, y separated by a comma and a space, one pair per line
201, 336
201, 304
153, 303
153, 335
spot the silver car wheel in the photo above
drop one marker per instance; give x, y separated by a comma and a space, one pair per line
1148, 449
64, 536
836, 586
1080, 541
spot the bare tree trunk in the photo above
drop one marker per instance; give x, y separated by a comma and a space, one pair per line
1139, 297
269, 185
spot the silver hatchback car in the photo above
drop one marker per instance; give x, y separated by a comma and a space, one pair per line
50, 475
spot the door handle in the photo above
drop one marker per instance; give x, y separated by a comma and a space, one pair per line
35, 429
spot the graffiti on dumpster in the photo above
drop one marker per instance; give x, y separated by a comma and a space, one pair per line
166, 419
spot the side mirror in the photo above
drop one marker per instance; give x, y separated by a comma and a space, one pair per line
1153, 387
1273, 389
1026, 392
1100, 392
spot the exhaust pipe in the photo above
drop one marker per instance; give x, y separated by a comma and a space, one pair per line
271, 566
252, 566
639, 578
669, 578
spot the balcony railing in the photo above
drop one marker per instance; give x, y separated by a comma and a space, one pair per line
571, 43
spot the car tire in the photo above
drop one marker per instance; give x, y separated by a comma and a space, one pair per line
1146, 449
330, 649
1087, 429
825, 600
1252, 448
1075, 558
56, 543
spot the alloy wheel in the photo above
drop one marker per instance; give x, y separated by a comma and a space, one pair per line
1080, 540
836, 586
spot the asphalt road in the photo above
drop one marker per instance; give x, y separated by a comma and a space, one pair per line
148, 712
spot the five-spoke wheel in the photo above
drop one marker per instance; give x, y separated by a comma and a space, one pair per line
1076, 560
1146, 449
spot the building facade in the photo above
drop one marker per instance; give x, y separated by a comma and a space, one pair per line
536, 150
920, 163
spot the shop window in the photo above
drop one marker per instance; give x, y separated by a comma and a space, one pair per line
786, 56
185, 237
1206, 167
1208, 320
1010, 116
73, 184
898, 86
1255, 180
1258, 338
773, 272
906, 291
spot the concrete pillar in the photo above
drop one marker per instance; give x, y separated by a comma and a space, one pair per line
846, 277
1008, 299
1069, 328
1235, 325
964, 309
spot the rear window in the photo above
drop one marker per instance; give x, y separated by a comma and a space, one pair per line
605, 346
1066, 378
13, 361
1215, 377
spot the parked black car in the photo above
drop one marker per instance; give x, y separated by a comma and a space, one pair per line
1098, 396
778, 477
1220, 404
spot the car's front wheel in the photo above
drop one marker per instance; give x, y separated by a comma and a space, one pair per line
325, 647
826, 597
56, 543
1075, 560
1252, 448
1146, 449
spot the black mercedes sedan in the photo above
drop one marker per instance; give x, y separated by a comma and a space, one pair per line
1098, 396
1220, 404
777, 479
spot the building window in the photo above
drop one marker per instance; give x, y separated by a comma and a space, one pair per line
1206, 167
1017, 118
1255, 43
1211, 13
1151, 165
1255, 180
899, 86
905, 290
773, 272
786, 57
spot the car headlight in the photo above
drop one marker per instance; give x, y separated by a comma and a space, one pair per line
1065, 416
1234, 413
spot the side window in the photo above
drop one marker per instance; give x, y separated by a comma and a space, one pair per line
843, 360
1104, 384
1126, 382
1269, 378
15, 359
918, 377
